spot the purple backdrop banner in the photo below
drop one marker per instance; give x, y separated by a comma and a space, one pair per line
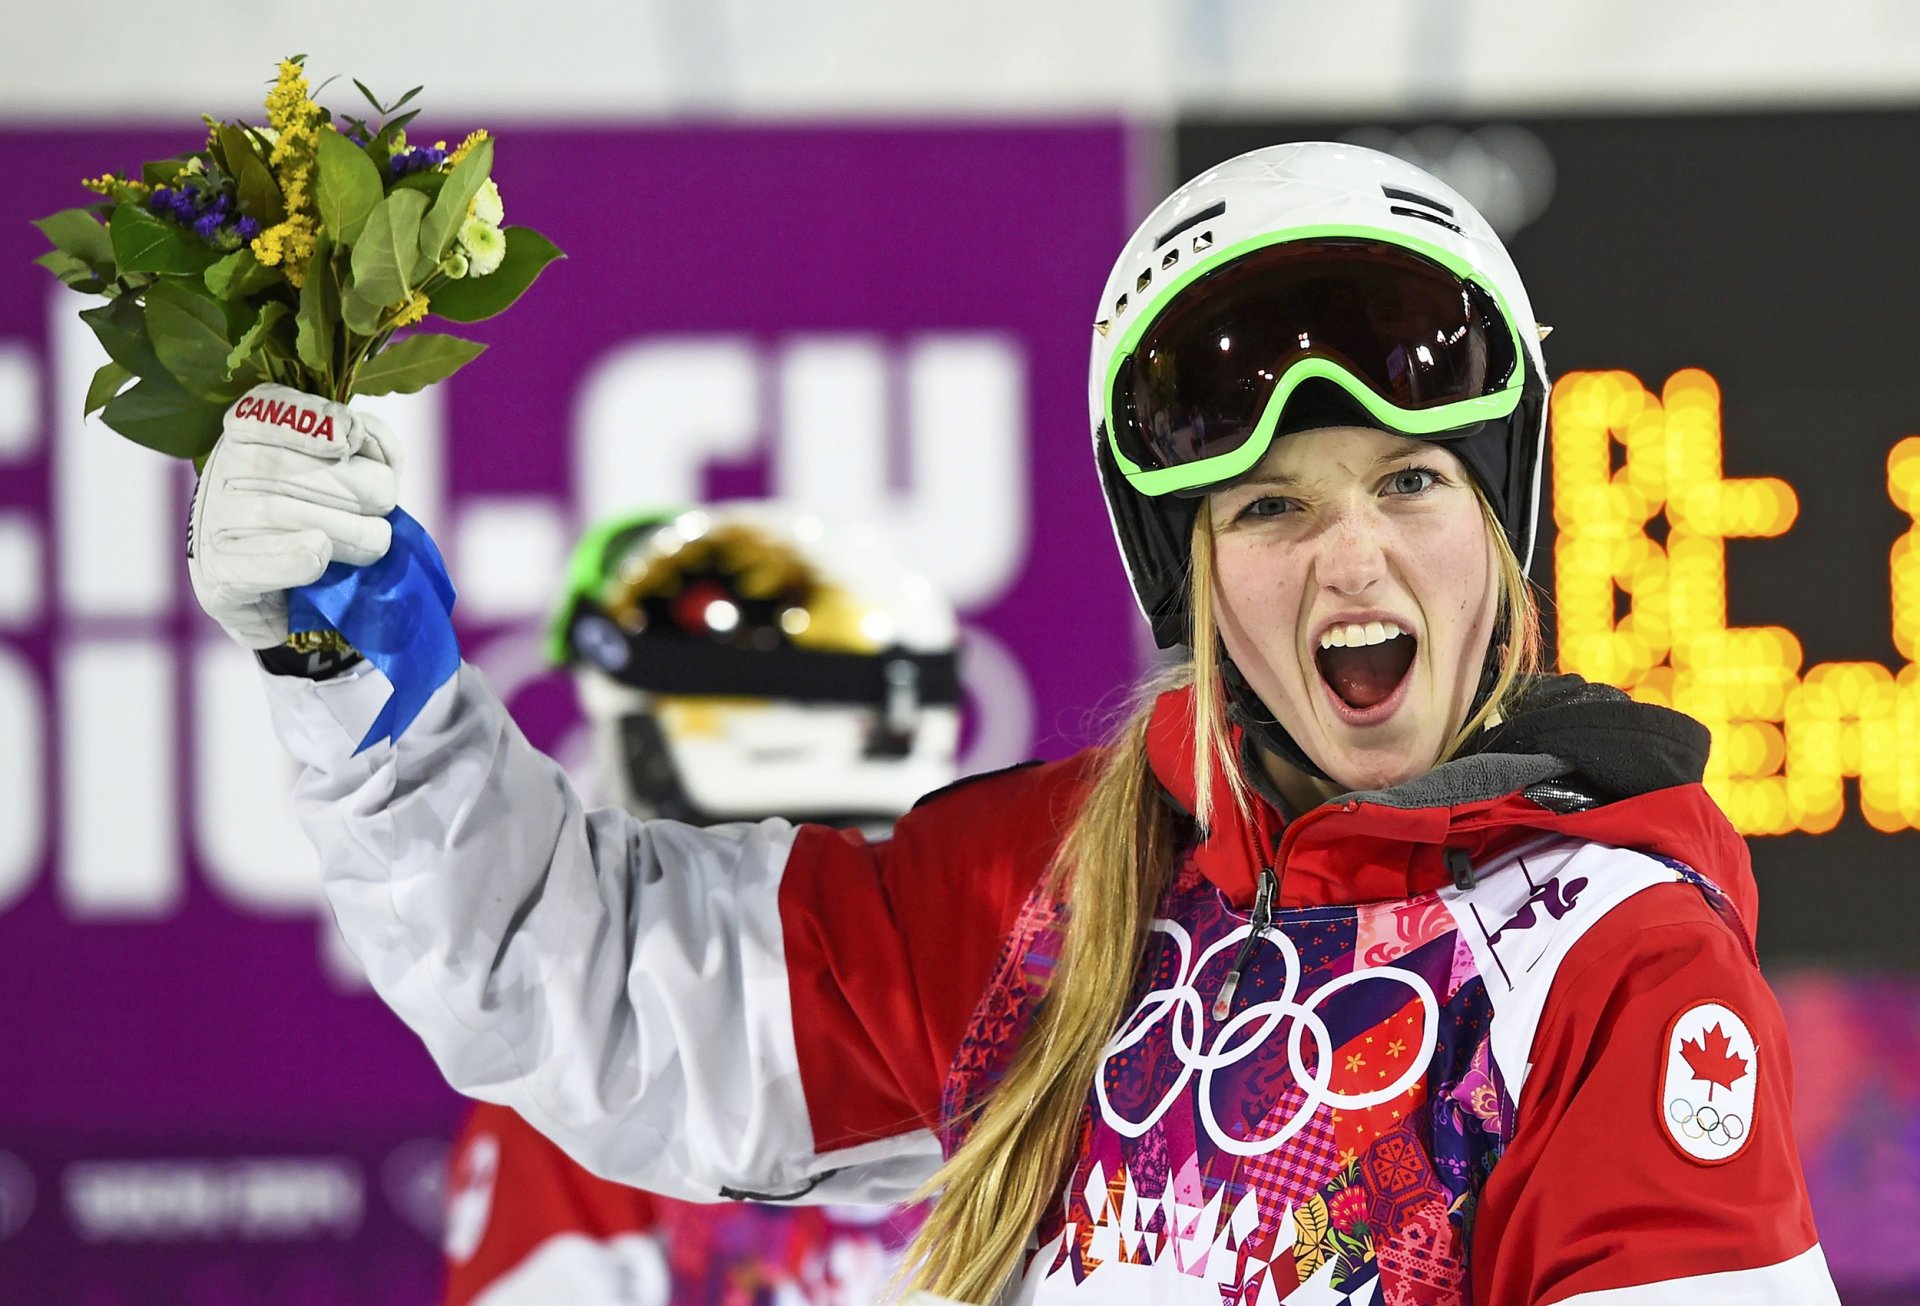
199, 1102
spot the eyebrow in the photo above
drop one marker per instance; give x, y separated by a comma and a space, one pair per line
1264, 478
1406, 449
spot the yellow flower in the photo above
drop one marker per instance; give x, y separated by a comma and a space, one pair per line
412, 311
473, 139
107, 183
294, 123
287, 104
287, 245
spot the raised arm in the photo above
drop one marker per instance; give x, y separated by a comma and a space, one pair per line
622, 984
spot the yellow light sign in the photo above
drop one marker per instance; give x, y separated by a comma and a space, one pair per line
1784, 740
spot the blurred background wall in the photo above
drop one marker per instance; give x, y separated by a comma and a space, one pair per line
847, 252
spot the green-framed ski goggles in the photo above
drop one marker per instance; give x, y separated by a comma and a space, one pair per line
592, 567
1410, 331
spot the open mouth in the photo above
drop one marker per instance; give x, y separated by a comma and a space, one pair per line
1363, 663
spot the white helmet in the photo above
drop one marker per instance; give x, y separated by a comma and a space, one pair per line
1313, 252
748, 660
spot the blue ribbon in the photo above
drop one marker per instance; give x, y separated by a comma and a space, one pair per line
398, 612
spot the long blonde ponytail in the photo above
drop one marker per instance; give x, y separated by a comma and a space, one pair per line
995, 1189
1112, 867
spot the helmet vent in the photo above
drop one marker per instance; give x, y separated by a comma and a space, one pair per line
1203, 242
1192, 220
1173, 256
1424, 216
1414, 197
1102, 325
1119, 306
1146, 279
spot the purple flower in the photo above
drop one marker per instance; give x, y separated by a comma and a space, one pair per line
160, 200
419, 160
246, 229
183, 207
207, 227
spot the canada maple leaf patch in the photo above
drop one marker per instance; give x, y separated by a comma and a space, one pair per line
1712, 1060
1709, 1087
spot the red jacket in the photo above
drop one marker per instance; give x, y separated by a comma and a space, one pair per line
1576, 1177
1496, 1035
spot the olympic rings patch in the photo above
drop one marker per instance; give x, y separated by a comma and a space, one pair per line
1183, 1014
1708, 1092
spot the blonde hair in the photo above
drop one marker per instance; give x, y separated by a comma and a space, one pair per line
1112, 868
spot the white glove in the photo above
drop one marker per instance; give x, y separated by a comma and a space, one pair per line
295, 482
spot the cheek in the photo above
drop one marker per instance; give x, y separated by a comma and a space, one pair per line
1258, 600
1454, 571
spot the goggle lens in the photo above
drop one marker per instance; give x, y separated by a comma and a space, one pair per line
1202, 376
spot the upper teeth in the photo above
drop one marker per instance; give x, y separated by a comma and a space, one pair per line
1359, 634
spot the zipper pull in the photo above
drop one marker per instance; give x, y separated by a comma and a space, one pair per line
1262, 922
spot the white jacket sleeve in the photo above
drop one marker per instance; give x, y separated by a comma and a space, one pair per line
622, 984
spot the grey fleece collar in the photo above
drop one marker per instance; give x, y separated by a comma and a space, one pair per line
1472, 779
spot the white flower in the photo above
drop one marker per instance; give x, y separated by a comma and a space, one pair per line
455, 266
486, 204
484, 245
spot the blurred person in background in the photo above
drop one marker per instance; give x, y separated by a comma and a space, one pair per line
733, 663
1365, 965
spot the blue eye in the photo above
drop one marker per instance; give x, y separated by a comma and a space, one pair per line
1413, 480
1267, 505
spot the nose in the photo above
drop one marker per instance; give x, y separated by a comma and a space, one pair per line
1352, 551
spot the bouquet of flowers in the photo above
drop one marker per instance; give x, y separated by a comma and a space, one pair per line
305, 252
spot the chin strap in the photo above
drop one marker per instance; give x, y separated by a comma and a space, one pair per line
1245, 710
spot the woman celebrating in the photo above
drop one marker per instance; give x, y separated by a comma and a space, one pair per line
1365, 965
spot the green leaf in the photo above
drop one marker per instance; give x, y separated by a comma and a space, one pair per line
414, 363
239, 275
189, 333
1348, 1246
450, 209
348, 187
473, 299
377, 107
164, 417
389, 250
75, 232
260, 197
62, 265
121, 328
361, 315
144, 243
428, 183
106, 383
255, 339
161, 172
72, 272
319, 316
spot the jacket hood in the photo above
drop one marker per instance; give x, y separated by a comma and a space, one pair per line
1573, 758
